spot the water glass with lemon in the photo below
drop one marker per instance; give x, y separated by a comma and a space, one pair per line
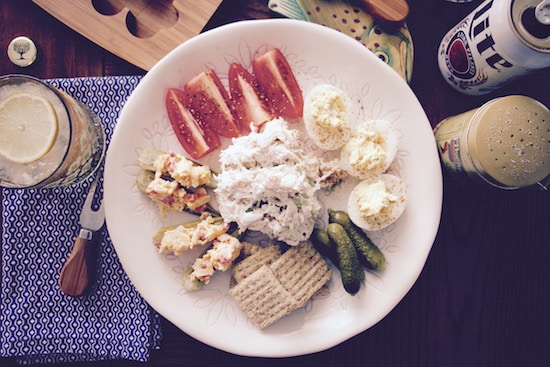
47, 138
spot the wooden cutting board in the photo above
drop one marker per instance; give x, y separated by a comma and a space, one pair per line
139, 31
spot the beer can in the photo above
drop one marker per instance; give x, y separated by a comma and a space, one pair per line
496, 43
505, 143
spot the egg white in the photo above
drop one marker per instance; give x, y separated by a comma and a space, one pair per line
395, 186
318, 101
389, 146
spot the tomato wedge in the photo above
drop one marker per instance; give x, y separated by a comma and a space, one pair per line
209, 104
279, 83
196, 140
249, 101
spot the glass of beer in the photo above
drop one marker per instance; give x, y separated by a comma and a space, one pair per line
47, 138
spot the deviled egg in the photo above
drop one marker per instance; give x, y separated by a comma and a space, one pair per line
370, 150
376, 203
328, 115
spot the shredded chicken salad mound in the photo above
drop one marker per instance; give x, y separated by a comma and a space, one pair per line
268, 183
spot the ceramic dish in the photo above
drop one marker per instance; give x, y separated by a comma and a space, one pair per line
393, 45
317, 55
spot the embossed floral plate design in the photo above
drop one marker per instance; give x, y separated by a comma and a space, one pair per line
317, 55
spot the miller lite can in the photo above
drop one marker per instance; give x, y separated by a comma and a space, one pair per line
496, 43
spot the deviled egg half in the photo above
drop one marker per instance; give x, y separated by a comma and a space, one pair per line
328, 116
370, 150
378, 202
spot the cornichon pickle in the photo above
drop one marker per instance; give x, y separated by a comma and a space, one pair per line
350, 270
321, 241
368, 253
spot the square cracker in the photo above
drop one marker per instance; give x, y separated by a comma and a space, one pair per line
263, 298
302, 271
254, 261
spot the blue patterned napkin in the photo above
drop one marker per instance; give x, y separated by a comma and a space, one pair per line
40, 324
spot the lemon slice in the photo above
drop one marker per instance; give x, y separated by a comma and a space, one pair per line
28, 127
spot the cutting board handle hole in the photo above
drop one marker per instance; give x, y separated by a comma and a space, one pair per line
108, 7
146, 25
144, 18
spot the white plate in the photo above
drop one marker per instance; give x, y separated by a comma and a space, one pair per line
317, 54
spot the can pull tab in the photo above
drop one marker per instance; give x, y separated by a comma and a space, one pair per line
542, 12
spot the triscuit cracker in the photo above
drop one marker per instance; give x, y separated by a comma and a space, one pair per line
253, 261
294, 261
311, 283
269, 285
302, 271
263, 298
249, 248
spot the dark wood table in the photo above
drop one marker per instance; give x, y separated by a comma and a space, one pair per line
482, 298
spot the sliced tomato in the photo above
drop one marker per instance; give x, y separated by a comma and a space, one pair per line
279, 83
196, 141
249, 101
209, 103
